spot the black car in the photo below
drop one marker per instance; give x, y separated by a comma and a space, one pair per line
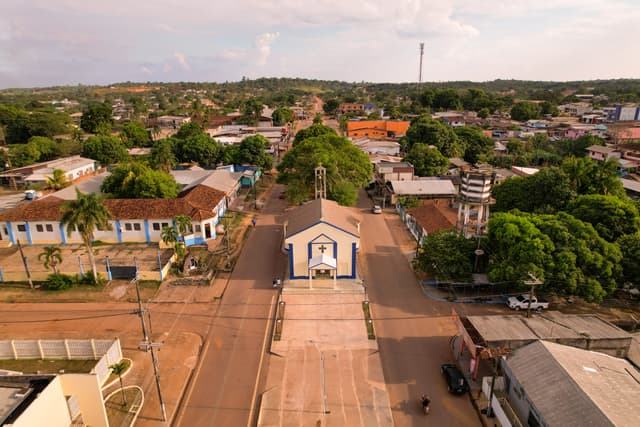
455, 380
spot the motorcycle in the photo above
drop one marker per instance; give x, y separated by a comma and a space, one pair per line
425, 402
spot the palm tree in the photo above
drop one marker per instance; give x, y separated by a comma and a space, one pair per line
182, 224
118, 369
58, 181
170, 237
52, 257
85, 214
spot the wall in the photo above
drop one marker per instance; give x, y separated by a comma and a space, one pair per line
60, 349
86, 388
48, 409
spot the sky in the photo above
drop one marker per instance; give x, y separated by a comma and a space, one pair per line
70, 42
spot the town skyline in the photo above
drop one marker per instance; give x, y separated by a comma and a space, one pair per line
68, 42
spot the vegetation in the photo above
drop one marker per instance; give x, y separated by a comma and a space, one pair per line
105, 149
52, 256
137, 181
447, 255
427, 161
118, 369
96, 118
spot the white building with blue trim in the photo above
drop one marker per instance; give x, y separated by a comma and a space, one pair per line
322, 240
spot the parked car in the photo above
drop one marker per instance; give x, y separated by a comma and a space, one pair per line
521, 302
456, 383
376, 209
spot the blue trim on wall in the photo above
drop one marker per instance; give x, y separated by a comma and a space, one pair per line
28, 229
353, 261
11, 236
335, 252
147, 232
291, 276
309, 250
324, 236
119, 231
62, 233
195, 241
637, 113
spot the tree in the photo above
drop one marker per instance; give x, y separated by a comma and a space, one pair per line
317, 119
447, 255
162, 156
136, 181
182, 224
484, 113
425, 130
343, 162
611, 216
105, 149
252, 110
201, 149
85, 214
447, 99
477, 145
135, 135
58, 180
547, 191
188, 130
118, 369
52, 257
523, 111
252, 151
630, 247
169, 236
592, 177
427, 161
26, 125
330, 107
95, 117
282, 116
311, 131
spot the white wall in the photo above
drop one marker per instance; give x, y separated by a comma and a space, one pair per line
87, 389
48, 409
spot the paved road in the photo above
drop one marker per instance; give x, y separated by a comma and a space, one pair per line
224, 383
413, 331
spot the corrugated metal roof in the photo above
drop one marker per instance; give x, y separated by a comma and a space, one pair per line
427, 187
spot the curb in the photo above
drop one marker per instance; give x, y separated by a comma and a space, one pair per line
135, 417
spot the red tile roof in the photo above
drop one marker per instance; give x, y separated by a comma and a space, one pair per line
434, 215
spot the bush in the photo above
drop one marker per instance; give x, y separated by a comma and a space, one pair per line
60, 282
88, 279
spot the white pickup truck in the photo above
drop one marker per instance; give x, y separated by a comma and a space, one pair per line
521, 302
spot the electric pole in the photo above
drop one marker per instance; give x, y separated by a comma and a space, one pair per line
420, 73
534, 281
148, 345
25, 263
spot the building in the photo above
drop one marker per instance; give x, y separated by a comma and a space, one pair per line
322, 240
576, 108
550, 384
432, 188
626, 113
393, 171
452, 118
134, 220
474, 200
351, 108
429, 217
168, 122
378, 146
74, 168
377, 129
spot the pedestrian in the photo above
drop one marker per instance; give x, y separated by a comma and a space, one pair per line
253, 221
278, 282
275, 283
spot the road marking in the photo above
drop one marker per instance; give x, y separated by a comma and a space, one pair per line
255, 388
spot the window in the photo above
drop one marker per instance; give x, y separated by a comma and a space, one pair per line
39, 228
165, 224
49, 227
6, 232
196, 228
156, 226
127, 226
22, 228
136, 226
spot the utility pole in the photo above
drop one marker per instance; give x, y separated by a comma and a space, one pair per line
420, 73
534, 281
149, 346
25, 263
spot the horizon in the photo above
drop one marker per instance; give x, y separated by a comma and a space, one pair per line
72, 42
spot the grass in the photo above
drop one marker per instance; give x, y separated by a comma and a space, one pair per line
279, 321
48, 366
367, 320
120, 415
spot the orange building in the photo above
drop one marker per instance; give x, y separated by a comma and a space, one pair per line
377, 128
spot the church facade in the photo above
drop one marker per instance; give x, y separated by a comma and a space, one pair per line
321, 240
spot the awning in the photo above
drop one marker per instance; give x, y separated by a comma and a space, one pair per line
322, 262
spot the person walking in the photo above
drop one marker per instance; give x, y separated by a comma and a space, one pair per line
253, 221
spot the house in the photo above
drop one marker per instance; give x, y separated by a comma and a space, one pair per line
378, 146
321, 239
350, 108
429, 217
576, 108
550, 384
393, 171
452, 118
224, 180
632, 188
377, 129
134, 220
431, 188
74, 168
168, 122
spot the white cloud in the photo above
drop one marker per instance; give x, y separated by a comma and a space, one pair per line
182, 60
263, 46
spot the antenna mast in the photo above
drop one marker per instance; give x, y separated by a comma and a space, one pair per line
420, 74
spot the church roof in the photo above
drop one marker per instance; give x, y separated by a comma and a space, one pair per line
322, 210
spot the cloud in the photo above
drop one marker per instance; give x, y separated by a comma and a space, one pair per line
182, 61
263, 46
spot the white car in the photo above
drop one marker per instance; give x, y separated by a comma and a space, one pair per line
376, 209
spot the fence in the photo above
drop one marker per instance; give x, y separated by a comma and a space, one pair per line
107, 352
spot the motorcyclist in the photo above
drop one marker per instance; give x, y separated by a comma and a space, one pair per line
425, 403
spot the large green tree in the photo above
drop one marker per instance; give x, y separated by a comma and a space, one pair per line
547, 191
611, 216
477, 145
523, 111
311, 131
26, 125
343, 162
252, 151
137, 181
282, 116
201, 149
427, 161
593, 177
162, 156
96, 118
447, 255
630, 247
425, 130
105, 149
85, 214
135, 135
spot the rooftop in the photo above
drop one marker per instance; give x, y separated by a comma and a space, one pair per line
424, 187
322, 210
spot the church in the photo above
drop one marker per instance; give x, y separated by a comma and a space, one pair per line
321, 239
